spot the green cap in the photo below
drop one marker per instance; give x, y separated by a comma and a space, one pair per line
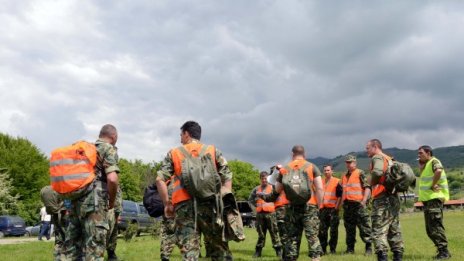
350, 158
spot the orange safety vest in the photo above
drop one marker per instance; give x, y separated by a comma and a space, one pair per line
313, 199
261, 205
281, 200
352, 187
330, 196
179, 193
380, 189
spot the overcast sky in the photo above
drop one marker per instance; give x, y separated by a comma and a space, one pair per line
259, 76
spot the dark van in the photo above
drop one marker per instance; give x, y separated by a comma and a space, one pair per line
12, 226
136, 214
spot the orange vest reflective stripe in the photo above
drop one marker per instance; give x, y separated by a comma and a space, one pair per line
261, 205
179, 193
72, 167
330, 195
281, 200
380, 189
352, 187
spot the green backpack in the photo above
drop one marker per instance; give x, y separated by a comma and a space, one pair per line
297, 185
51, 199
199, 174
399, 177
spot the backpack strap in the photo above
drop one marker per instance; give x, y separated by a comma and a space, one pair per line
203, 151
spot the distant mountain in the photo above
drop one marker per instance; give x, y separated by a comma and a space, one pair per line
451, 158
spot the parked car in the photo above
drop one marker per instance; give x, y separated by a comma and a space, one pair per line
134, 213
247, 213
33, 230
12, 226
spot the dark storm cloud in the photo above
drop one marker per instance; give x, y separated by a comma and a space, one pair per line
259, 77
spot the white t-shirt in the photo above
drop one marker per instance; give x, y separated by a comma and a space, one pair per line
44, 216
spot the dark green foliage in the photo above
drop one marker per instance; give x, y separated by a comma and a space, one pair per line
245, 178
133, 178
28, 170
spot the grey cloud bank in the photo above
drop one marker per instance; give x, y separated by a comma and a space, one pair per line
258, 76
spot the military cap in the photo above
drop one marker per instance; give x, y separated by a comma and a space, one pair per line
350, 158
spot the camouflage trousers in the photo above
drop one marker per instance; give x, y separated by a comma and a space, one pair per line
329, 220
88, 227
267, 222
433, 213
386, 230
59, 221
297, 219
112, 240
355, 215
280, 218
168, 238
211, 225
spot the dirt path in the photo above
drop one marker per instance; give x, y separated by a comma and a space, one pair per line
20, 240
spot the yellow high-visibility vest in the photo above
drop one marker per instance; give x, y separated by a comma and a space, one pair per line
425, 184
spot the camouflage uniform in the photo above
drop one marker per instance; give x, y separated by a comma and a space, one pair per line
88, 228
297, 219
113, 216
168, 238
433, 214
264, 222
354, 214
386, 230
329, 219
208, 221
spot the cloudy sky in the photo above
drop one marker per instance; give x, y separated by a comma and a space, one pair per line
259, 76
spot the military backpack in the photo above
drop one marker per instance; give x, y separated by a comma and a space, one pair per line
297, 184
399, 177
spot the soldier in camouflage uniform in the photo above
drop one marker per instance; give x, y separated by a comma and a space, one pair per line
206, 214
265, 216
113, 216
386, 230
356, 192
302, 217
87, 232
433, 192
56, 208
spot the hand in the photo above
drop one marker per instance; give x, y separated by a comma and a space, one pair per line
260, 194
110, 205
363, 203
169, 210
436, 188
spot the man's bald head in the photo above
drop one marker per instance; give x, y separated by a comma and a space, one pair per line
108, 131
298, 150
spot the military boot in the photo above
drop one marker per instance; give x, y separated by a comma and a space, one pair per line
258, 252
278, 251
397, 256
112, 255
368, 249
442, 254
381, 256
349, 250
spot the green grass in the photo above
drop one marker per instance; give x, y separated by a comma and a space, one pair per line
417, 245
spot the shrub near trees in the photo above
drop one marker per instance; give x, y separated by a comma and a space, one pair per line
245, 178
28, 172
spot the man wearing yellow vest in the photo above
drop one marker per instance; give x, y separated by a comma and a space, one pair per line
265, 216
433, 192
192, 213
356, 193
329, 212
386, 229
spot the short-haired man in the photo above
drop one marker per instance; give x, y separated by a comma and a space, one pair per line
87, 232
433, 192
356, 192
305, 216
265, 216
386, 206
205, 214
329, 211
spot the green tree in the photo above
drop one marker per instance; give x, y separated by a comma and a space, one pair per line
28, 169
8, 202
245, 178
133, 178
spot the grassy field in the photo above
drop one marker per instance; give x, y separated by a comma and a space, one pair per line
417, 244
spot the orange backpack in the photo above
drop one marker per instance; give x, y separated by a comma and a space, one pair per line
72, 168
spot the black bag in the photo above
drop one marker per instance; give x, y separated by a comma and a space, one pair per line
152, 201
